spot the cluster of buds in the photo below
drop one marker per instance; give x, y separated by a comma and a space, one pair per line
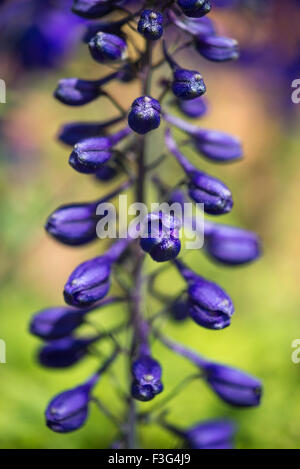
112, 154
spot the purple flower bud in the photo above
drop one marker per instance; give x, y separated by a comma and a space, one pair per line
217, 146
194, 26
75, 92
90, 154
211, 192
195, 8
105, 47
75, 224
193, 108
203, 188
209, 304
73, 132
58, 322
144, 115
187, 84
90, 281
146, 374
69, 410
214, 434
161, 237
151, 25
217, 48
233, 386
231, 245
55, 323
64, 352
93, 8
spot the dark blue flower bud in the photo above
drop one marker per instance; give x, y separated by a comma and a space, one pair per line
57, 322
211, 192
64, 352
209, 305
93, 8
187, 84
90, 281
203, 188
233, 386
69, 410
217, 146
90, 154
73, 132
193, 108
195, 8
146, 373
144, 115
217, 48
105, 47
76, 92
161, 237
231, 245
151, 25
75, 224
214, 434
194, 26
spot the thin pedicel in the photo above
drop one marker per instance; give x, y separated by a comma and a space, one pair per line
110, 154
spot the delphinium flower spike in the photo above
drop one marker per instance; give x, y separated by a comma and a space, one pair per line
134, 39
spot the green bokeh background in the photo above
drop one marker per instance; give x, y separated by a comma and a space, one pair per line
35, 179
